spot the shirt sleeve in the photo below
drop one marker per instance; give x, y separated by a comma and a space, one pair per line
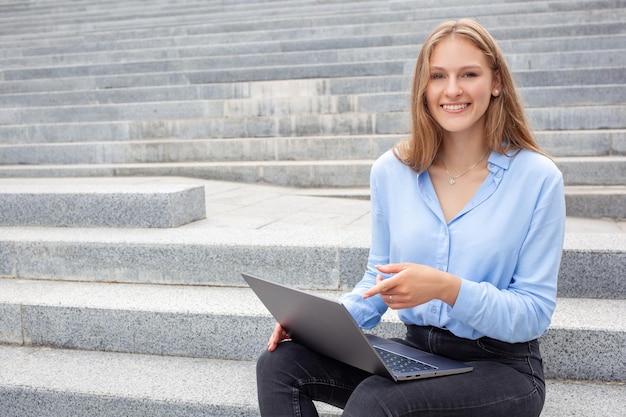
367, 313
523, 310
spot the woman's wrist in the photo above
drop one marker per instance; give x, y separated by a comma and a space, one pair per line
450, 289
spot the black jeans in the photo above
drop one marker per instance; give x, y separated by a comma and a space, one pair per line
507, 380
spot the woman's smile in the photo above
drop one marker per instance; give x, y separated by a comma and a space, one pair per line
455, 107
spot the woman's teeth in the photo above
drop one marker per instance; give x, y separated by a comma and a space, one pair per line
454, 106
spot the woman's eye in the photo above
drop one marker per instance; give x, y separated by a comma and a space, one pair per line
436, 76
469, 75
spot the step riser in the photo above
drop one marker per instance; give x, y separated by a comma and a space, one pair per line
566, 77
518, 62
237, 102
101, 205
164, 60
359, 124
593, 172
556, 144
560, 25
338, 20
348, 34
584, 273
596, 206
350, 174
516, 49
148, 109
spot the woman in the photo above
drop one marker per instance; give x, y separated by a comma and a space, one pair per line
467, 231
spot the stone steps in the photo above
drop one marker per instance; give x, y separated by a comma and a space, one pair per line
159, 60
588, 53
204, 121
266, 230
558, 98
323, 16
292, 95
302, 148
199, 322
172, 202
525, 78
43, 382
594, 171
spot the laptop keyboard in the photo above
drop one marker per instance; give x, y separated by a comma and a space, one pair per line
399, 363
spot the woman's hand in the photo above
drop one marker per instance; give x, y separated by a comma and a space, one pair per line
414, 284
278, 335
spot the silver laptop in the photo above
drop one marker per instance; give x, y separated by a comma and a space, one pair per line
326, 326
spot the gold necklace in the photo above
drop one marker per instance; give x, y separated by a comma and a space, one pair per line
452, 179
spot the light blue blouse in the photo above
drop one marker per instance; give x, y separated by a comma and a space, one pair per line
505, 245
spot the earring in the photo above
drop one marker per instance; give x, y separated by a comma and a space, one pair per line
496, 93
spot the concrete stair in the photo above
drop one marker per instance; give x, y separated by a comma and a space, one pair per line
100, 321
100, 202
163, 117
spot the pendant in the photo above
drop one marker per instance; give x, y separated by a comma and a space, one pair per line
452, 181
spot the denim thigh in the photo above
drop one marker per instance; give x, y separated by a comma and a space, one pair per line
290, 378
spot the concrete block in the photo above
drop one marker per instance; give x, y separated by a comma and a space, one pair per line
97, 203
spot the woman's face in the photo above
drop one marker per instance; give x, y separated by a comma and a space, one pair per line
460, 87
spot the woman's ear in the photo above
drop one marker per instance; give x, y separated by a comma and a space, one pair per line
496, 88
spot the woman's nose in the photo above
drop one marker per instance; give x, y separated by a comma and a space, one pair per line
453, 89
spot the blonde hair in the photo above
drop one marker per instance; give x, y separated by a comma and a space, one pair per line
506, 127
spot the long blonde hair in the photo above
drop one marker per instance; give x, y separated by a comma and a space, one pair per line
506, 126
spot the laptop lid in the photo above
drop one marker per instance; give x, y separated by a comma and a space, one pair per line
327, 327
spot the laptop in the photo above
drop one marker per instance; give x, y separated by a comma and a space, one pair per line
327, 327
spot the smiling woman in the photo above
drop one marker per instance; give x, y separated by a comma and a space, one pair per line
468, 267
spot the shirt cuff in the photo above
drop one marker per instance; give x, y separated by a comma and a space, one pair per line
364, 312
